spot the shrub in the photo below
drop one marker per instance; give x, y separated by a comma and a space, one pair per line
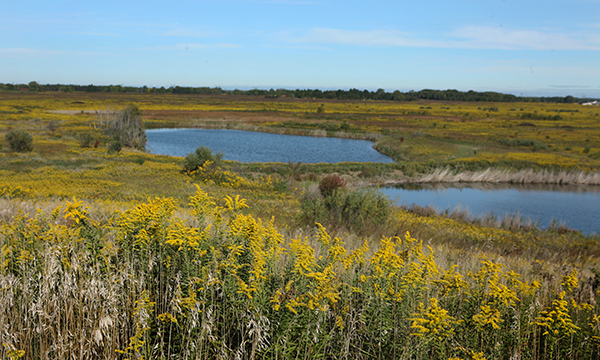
114, 147
536, 145
127, 127
19, 140
279, 185
330, 184
539, 146
360, 211
139, 160
195, 160
369, 171
311, 176
535, 116
312, 210
85, 139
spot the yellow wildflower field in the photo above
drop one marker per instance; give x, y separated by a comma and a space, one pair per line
126, 255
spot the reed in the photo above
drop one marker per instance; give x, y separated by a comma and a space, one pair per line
525, 176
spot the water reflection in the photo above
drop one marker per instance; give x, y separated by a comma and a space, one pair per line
249, 146
498, 186
577, 206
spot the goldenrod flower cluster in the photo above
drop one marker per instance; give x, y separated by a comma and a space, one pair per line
146, 282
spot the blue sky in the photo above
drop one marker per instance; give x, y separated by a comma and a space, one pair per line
525, 47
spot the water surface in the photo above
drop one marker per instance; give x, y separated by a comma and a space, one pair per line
577, 207
250, 146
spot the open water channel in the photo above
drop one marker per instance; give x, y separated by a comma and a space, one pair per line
577, 207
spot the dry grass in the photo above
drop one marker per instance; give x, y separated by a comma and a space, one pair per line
526, 176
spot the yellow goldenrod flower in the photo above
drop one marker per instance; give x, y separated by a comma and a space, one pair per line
433, 321
557, 320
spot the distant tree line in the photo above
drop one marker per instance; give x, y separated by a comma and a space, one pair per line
352, 94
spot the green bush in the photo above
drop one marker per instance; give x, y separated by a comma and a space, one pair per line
114, 147
535, 116
195, 160
371, 170
85, 139
359, 210
19, 140
536, 145
313, 210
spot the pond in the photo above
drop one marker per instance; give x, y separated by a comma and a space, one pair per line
577, 207
249, 146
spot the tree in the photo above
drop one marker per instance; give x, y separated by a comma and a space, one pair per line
34, 86
126, 126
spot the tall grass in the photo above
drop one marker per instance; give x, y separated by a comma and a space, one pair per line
214, 282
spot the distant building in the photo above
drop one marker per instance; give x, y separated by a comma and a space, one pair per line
597, 102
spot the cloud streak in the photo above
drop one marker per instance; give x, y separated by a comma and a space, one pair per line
286, 2
97, 33
188, 33
192, 46
570, 86
487, 37
42, 52
468, 37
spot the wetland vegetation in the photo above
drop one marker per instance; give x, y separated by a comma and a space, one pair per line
127, 254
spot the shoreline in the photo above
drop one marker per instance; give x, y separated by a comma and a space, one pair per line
500, 176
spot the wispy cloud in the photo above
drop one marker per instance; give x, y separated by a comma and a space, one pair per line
298, 47
42, 52
97, 33
140, 24
359, 37
487, 37
570, 86
469, 37
188, 33
193, 46
286, 2
528, 67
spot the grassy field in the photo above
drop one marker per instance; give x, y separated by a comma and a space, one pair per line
424, 135
124, 255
